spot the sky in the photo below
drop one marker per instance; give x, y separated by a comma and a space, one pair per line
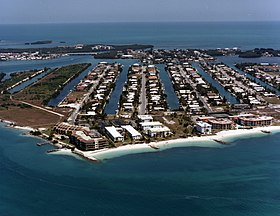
80, 11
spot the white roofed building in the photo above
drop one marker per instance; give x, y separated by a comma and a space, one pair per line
203, 128
145, 118
114, 134
154, 129
134, 134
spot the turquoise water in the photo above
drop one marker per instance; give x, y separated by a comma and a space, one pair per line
239, 180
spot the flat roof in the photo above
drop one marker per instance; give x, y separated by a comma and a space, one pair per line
83, 135
113, 131
145, 117
151, 123
203, 124
257, 118
131, 130
162, 129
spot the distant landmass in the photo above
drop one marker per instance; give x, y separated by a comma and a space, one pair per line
39, 42
75, 49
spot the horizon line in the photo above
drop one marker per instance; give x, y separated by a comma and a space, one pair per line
132, 22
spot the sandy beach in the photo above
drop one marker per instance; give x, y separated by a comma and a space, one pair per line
203, 141
209, 141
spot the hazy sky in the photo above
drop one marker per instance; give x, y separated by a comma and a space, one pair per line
67, 11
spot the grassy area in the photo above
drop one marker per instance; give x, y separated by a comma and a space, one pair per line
15, 78
50, 86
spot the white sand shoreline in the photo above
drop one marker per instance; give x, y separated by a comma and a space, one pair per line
203, 141
195, 141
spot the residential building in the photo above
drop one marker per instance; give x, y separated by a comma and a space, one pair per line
134, 134
114, 134
145, 118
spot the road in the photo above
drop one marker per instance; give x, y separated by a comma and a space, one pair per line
143, 99
205, 104
41, 108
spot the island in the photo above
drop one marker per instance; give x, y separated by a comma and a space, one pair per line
39, 42
169, 98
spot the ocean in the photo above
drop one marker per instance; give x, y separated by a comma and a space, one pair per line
245, 35
242, 179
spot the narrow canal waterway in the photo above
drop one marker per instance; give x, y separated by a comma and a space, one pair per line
69, 87
172, 99
232, 60
112, 106
28, 82
222, 91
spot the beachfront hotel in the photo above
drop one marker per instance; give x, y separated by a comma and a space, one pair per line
88, 140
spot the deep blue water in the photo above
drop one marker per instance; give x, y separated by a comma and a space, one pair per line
239, 180
113, 103
171, 97
243, 179
246, 35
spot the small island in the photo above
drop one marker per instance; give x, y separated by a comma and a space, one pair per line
39, 42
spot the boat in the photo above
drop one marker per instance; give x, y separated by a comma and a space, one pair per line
154, 146
266, 131
221, 142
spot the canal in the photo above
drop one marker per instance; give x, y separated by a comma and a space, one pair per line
69, 87
232, 60
171, 97
112, 106
222, 91
28, 82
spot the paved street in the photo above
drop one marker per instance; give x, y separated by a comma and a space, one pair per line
143, 99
